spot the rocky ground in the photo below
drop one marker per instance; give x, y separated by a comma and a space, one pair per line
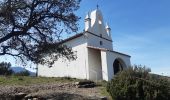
50, 91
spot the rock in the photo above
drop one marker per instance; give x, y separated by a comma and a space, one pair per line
76, 83
103, 98
85, 84
35, 99
19, 96
60, 85
29, 96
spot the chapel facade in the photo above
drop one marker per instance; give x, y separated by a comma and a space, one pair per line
96, 58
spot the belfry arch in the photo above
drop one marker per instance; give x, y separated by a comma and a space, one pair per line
118, 65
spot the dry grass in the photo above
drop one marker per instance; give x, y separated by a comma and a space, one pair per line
46, 86
26, 80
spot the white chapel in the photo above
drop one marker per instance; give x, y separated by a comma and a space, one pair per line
96, 58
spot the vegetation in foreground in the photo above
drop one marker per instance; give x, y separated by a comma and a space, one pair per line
138, 84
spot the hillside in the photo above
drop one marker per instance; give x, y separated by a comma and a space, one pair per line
20, 69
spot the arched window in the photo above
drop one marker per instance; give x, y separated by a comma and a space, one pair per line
118, 65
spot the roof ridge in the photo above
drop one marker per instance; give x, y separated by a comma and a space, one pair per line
72, 37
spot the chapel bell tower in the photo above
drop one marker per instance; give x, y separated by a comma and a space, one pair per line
94, 23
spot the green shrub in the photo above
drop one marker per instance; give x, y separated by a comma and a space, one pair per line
138, 84
5, 68
22, 73
20, 79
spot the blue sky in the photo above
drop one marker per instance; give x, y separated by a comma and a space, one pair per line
140, 28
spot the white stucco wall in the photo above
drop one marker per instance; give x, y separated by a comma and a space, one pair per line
97, 24
75, 69
90, 63
111, 57
105, 59
95, 67
94, 64
93, 40
104, 65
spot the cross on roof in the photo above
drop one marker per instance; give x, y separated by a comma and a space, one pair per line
97, 6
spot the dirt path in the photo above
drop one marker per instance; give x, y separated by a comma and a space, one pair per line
52, 91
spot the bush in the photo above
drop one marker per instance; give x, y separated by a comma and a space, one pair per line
137, 84
22, 73
5, 68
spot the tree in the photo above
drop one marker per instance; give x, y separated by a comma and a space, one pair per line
5, 68
31, 30
138, 84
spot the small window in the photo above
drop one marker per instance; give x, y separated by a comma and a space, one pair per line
101, 43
